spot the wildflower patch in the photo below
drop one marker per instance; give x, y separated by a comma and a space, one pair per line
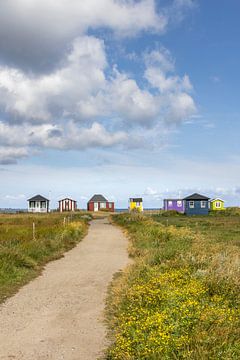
165, 310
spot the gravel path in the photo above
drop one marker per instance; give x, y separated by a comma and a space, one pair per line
59, 315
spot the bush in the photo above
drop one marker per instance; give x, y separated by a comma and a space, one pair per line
171, 213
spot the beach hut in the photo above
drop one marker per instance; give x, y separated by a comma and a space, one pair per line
174, 204
135, 204
67, 204
217, 204
196, 204
99, 202
38, 204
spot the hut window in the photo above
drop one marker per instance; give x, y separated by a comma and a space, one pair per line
32, 204
179, 203
43, 204
191, 204
102, 205
203, 204
170, 203
138, 203
218, 204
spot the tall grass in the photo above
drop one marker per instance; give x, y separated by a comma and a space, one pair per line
23, 253
180, 298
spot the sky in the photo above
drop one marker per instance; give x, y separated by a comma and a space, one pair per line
119, 97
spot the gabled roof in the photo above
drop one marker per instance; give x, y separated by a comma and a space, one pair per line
136, 199
67, 199
196, 196
217, 199
98, 198
38, 198
173, 199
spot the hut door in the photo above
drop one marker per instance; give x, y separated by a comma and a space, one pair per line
95, 206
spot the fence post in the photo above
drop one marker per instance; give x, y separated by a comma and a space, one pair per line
33, 230
64, 221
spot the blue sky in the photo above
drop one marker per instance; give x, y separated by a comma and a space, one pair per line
140, 103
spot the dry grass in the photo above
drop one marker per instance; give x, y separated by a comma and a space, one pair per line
23, 254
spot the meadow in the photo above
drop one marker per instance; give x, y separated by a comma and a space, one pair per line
25, 248
180, 297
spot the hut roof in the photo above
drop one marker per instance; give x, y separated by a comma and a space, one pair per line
196, 196
66, 199
217, 199
98, 198
38, 198
173, 199
136, 199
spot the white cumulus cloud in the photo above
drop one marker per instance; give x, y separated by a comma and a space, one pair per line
84, 100
10, 155
39, 31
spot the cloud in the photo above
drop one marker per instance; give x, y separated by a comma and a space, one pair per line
10, 155
35, 33
149, 191
56, 137
174, 91
84, 100
81, 89
78, 139
130, 102
178, 9
15, 197
86, 103
67, 89
159, 69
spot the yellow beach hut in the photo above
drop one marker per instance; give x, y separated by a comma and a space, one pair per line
136, 204
217, 204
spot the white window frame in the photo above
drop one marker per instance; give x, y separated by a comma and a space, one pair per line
179, 203
218, 204
43, 205
170, 203
102, 205
203, 204
191, 204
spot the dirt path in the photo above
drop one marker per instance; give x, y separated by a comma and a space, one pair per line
59, 315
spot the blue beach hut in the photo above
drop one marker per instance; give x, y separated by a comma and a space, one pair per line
196, 204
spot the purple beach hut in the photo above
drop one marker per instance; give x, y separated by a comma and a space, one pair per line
174, 204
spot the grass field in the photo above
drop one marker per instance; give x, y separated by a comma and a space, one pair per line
24, 253
180, 298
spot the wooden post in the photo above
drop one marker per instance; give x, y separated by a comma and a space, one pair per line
33, 230
64, 221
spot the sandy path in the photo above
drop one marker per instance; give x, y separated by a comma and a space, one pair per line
59, 315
